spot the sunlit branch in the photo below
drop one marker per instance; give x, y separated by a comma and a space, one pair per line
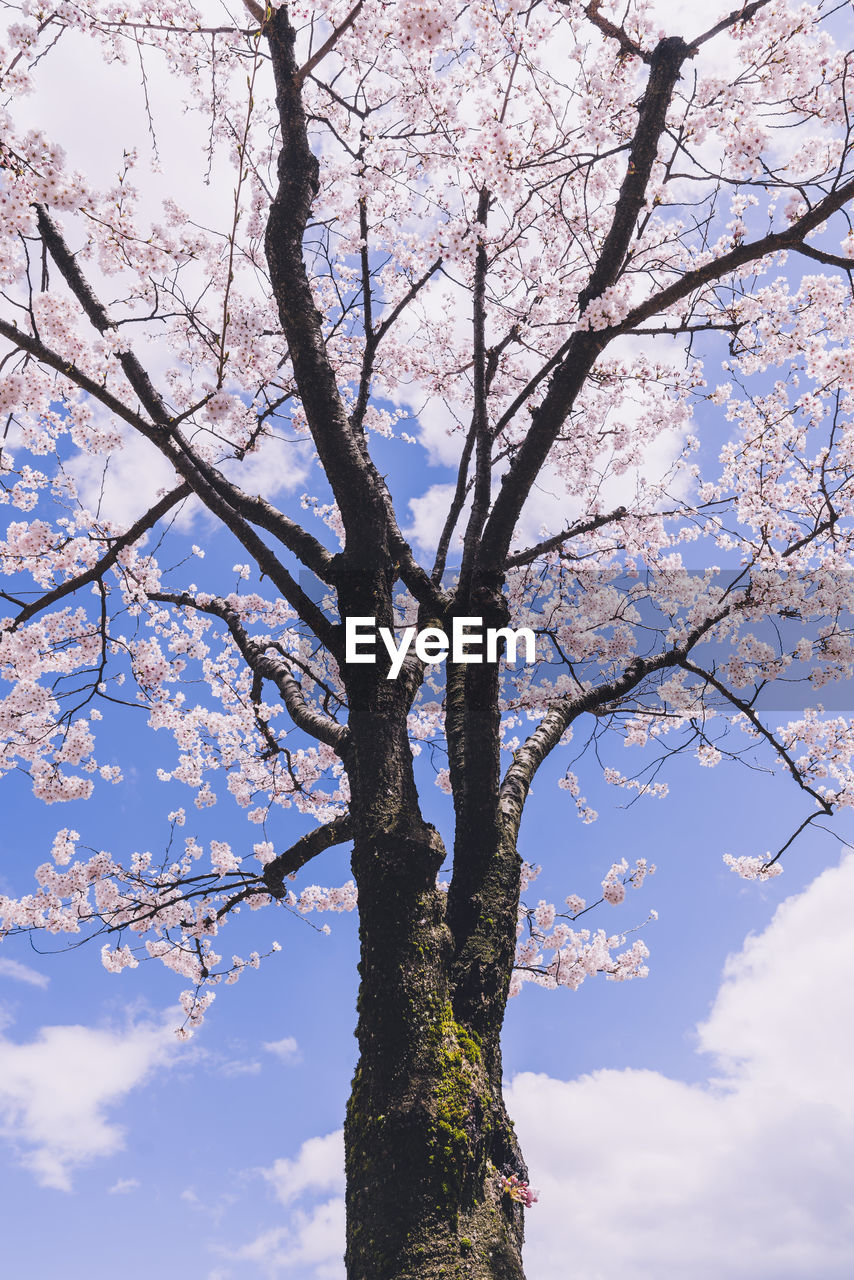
574, 531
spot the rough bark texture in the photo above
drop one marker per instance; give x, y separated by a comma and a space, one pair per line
426, 1131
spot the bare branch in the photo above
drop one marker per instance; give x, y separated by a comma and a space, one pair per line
829, 259
750, 714
744, 14
307, 68
574, 531
457, 502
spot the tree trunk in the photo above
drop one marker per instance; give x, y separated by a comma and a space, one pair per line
427, 1136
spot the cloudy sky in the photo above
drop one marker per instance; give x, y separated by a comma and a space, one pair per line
699, 1123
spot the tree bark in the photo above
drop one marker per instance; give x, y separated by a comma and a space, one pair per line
427, 1135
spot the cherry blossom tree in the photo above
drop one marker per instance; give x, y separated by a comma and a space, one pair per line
604, 267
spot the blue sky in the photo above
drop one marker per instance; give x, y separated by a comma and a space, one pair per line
223, 1156
655, 1146
659, 1149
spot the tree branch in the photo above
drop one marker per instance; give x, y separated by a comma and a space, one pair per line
584, 346
338, 831
373, 338
352, 477
184, 464
307, 67
574, 531
457, 503
480, 420
744, 14
628, 47
149, 397
740, 256
748, 712
255, 10
127, 539
560, 715
829, 259
255, 508
263, 663
36, 348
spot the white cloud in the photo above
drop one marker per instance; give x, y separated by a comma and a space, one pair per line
55, 1092
238, 1067
641, 1175
124, 485
747, 1176
319, 1166
95, 139
286, 1049
22, 973
680, 19
429, 512
123, 1186
311, 1244
276, 467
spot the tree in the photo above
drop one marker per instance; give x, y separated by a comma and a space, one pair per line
498, 214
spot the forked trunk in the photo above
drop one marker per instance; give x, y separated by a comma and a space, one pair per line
427, 1136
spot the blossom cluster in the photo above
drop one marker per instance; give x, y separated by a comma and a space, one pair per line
519, 1190
577, 954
